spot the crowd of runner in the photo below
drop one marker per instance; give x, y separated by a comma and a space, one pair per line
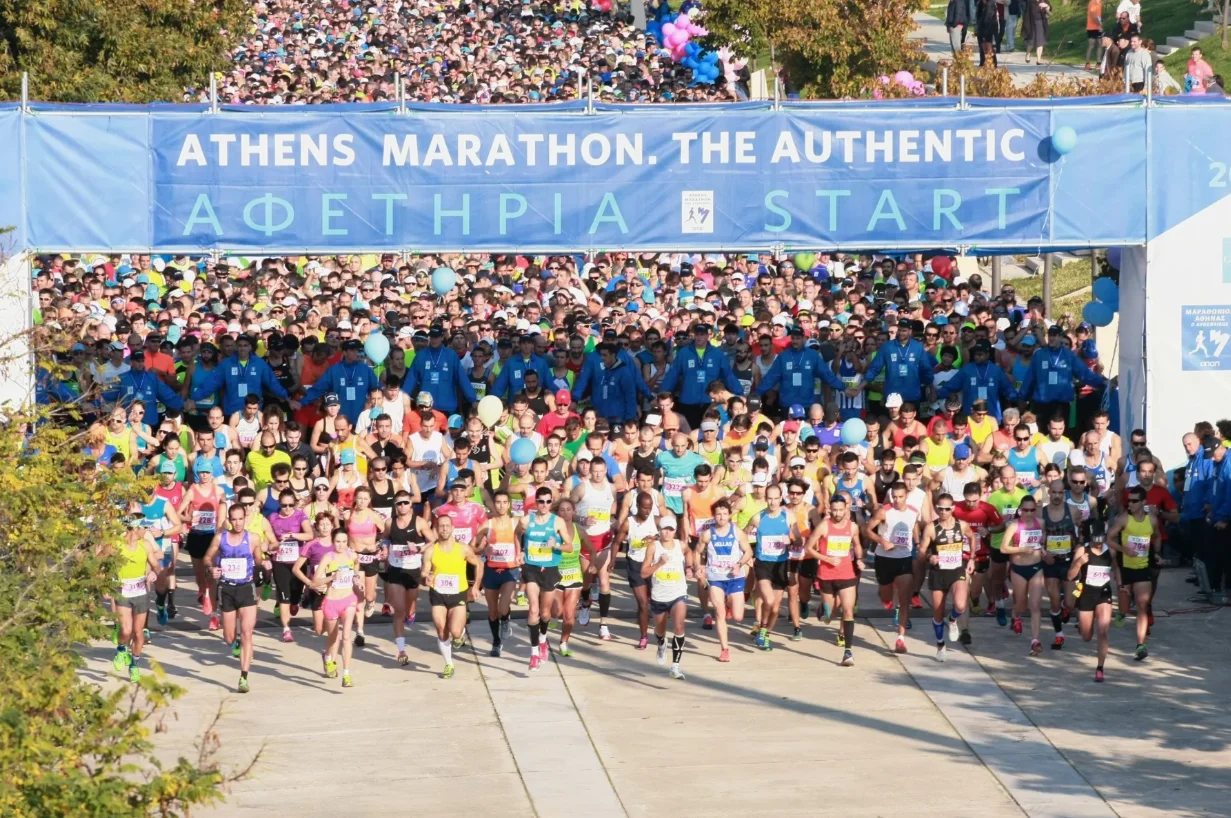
679, 424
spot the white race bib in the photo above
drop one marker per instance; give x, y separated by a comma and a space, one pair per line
446, 583
1138, 546
1030, 538
501, 552
949, 555
1098, 575
344, 578
399, 554
234, 569
288, 551
674, 486
774, 545
132, 588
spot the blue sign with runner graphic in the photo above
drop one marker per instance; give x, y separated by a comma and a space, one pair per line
1204, 333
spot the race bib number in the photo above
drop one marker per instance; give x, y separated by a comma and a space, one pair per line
367, 559
540, 552
463, 535
500, 552
132, 588
518, 506
796, 551
234, 569
571, 575
399, 554
1098, 575
1138, 546
636, 550
774, 545
1008, 514
446, 583
288, 551
1059, 544
838, 547
668, 576
674, 486
597, 517
344, 578
203, 520
949, 555
722, 563
1032, 539
703, 523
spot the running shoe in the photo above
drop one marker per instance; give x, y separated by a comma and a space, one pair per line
1058, 642
768, 644
642, 643
1017, 626
955, 632
294, 610
214, 623
759, 638
803, 611
724, 655
236, 648
172, 611
286, 635
887, 605
847, 659
448, 674
207, 605
916, 603
662, 654
543, 652
145, 634
841, 639
1002, 618
521, 598
162, 615
386, 609
404, 660
534, 661
1036, 647
121, 660
506, 629
825, 613
331, 669
410, 619
360, 639
1141, 652
564, 650
368, 609
797, 635
1118, 620
1065, 614
707, 623
134, 674
676, 673
348, 682
495, 651
975, 610
604, 633
458, 642
964, 637
900, 646
583, 616
940, 653
243, 685
1098, 675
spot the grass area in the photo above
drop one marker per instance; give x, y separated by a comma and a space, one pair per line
1211, 47
1067, 283
1066, 33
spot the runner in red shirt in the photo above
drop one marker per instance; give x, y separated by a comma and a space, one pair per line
980, 516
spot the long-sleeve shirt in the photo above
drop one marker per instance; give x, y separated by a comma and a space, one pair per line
1220, 479
148, 389
692, 373
594, 362
794, 375
615, 392
1137, 65
237, 380
439, 372
907, 367
984, 381
1198, 487
350, 382
512, 377
1050, 376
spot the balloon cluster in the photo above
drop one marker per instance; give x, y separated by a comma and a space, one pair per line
677, 37
904, 79
1106, 303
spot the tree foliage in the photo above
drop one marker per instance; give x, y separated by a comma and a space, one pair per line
68, 744
830, 48
114, 50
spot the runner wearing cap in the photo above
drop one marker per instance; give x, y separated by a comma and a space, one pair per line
666, 564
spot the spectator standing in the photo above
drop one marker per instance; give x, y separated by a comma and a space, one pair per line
1164, 83
1137, 65
1197, 72
1094, 31
1133, 9
986, 29
1034, 28
1012, 14
959, 16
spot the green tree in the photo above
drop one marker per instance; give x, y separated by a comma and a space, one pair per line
114, 50
70, 746
830, 48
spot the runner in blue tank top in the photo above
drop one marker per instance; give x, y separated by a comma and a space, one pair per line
544, 538
774, 533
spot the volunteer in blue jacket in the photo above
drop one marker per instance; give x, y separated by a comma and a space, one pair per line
1214, 555
594, 362
794, 373
140, 385
980, 379
614, 394
438, 371
907, 366
1048, 384
694, 368
350, 379
512, 377
1198, 493
239, 376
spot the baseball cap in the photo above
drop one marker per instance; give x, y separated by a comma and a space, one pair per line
797, 461
893, 400
667, 521
961, 451
563, 397
1055, 329
760, 479
709, 426
347, 457
1027, 341
791, 426
320, 481
202, 466
332, 399
424, 399
982, 345
1210, 443
796, 412
761, 443
167, 467
455, 421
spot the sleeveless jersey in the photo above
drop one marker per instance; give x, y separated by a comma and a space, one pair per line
838, 542
638, 533
235, 559
899, 529
669, 581
406, 546
501, 547
542, 548
773, 536
722, 555
1060, 534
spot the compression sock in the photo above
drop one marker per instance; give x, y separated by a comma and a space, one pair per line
494, 624
543, 627
848, 631
661, 639
604, 604
1056, 622
955, 613
161, 598
585, 597
401, 643
938, 628
677, 649
534, 635
446, 649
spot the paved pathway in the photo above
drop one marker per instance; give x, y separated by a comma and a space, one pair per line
607, 733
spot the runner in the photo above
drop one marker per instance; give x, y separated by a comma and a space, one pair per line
1005, 500
698, 514
727, 556
1092, 569
1062, 530
946, 541
544, 540
775, 532
1134, 535
368, 532
446, 560
895, 529
291, 531
636, 531
337, 580
233, 556
979, 516
572, 565
836, 544
594, 500
1023, 545
665, 561
140, 561
801, 569
499, 543
409, 536
203, 505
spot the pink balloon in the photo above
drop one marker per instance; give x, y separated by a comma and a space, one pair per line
668, 29
677, 38
904, 78
682, 21
883, 79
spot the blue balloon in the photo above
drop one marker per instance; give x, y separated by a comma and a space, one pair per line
443, 280
1113, 257
1107, 291
1098, 313
692, 49
376, 348
689, 62
710, 57
1064, 139
523, 451
854, 431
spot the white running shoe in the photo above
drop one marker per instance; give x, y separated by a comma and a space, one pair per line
940, 654
662, 654
506, 630
583, 616
604, 634
676, 673
954, 631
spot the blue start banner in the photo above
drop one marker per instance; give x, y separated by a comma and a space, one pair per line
543, 178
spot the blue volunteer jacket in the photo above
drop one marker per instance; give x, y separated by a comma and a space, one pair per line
512, 377
614, 394
594, 364
1198, 486
692, 374
237, 381
908, 369
984, 381
794, 374
1050, 376
147, 388
439, 373
351, 383
1220, 480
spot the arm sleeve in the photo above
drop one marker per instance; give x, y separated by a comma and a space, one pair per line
630, 395
583, 379
501, 385
1007, 390
1085, 374
728, 377
464, 386
952, 385
926, 373
874, 368
1028, 381
827, 375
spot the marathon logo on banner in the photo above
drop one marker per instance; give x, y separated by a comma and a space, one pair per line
1204, 333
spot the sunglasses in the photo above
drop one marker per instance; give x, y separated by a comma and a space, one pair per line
796, 493
321, 488
402, 503
1023, 439
543, 500
944, 508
